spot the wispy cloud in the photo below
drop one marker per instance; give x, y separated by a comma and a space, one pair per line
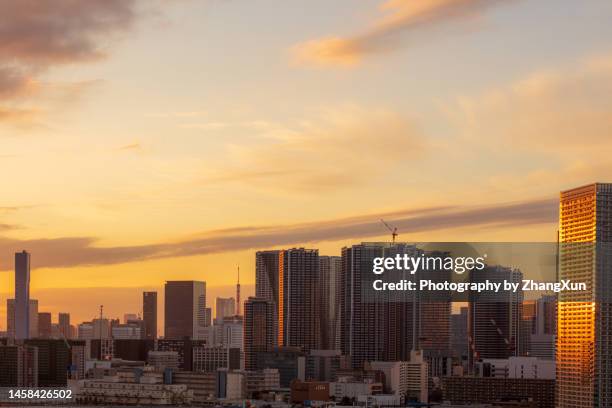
335, 150
396, 18
130, 147
76, 251
38, 35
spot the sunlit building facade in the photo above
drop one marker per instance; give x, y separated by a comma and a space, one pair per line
584, 364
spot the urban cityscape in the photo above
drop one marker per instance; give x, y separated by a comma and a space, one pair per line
310, 336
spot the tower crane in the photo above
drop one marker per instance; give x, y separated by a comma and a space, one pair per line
392, 229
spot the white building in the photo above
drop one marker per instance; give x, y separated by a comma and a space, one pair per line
417, 377
517, 367
126, 331
347, 387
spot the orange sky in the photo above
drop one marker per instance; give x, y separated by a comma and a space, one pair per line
144, 141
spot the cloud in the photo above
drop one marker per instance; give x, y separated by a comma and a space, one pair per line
340, 148
396, 18
564, 112
37, 35
77, 251
131, 146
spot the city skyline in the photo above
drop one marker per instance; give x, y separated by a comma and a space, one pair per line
292, 128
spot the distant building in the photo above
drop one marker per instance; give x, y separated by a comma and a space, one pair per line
22, 295
259, 329
330, 270
126, 331
147, 391
408, 379
18, 366
459, 334
299, 304
347, 387
262, 381
310, 391
516, 367
149, 314
44, 325
584, 366
322, 365
53, 361
64, 325
225, 307
212, 358
183, 347
494, 319
161, 360
289, 361
478, 390
184, 305
133, 349
32, 321
203, 385
229, 332
266, 275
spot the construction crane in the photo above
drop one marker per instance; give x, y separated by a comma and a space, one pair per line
393, 230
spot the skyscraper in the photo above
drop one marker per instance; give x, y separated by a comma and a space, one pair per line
225, 307
44, 325
299, 323
266, 275
22, 295
259, 329
10, 318
494, 318
584, 349
330, 268
184, 306
149, 314
374, 328
64, 325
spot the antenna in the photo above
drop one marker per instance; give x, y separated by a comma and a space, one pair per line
393, 230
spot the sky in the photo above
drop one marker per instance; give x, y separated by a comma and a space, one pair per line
145, 141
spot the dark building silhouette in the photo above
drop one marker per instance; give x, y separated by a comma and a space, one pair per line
22, 295
53, 361
64, 325
149, 314
289, 361
330, 268
44, 325
259, 329
18, 366
184, 349
494, 320
299, 304
266, 275
184, 308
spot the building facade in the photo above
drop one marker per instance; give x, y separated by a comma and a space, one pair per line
584, 366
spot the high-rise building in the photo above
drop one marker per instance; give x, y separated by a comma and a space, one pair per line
266, 275
330, 268
259, 329
53, 361
32, 321
299, 306
64, 325
18, 366
44, 325
459, 334
375, 327
584, 349
494, 318
225, 307
22, 295
184, 306
149, 314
